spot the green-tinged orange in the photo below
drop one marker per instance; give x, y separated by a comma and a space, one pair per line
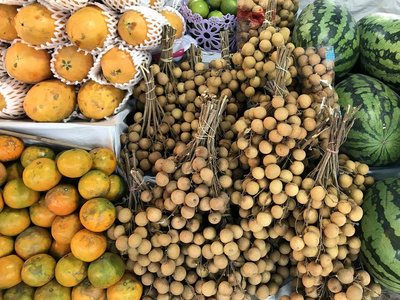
41, 175
3, 174
104, 160
86, 291
127, 288
63, 199
38, 270
34, 152
21, 291
64, 228
17, 195
33, 240
13, 221
87, 245
14, 170
70, 271
107, 270
58, 250
53, 290
10, 271
40, 214
94, 184
74, 163
6, 245
97, 214
118, 188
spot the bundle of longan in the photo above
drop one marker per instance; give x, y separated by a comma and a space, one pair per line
257, 62
151, 134
315, 67
286, 11
325, 245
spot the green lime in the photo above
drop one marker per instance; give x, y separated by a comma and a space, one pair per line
229, 7
214, 4
190, 2
200, 7
215, 13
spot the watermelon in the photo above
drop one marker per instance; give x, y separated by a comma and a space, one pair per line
329, 23
380, 47
380, 233
375, 136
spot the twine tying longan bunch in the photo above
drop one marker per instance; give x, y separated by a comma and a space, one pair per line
329, 207
166, 60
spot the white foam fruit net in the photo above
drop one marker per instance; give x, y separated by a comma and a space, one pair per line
68, 4
172, 9
56, 74
121, 5
60, 34
157, 4
16, 2
154, 21
174, 3
14, 93
138, 57
3, 49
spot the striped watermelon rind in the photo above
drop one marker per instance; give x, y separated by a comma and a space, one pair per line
329, 23
380, 227
380, 47
375, 137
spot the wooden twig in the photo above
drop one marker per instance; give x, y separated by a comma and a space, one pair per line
225, 52
43, 139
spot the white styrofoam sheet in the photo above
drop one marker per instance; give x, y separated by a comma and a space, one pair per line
86, 134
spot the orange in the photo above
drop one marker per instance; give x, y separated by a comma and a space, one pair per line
13, 221
11, 148
1, 201
74, 163
97, 101
14, 170
58, 250
132, 27
107, 270
64, 228
3, 174
127, 288
63, 199
41, 175
87, 245
53, 290
175, 21
17, 195
34, 152
10, 271
117, 188
7, 28
104, 160
50, 101
21, 291
94, 184
27, 64
71, 64
70, 270
86, 291
87, 28
40, 215
38, 270
117, 66
33, 240
6, 245
97, 214
35, 25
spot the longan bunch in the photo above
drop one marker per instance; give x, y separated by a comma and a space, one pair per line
286, 11
316, 71
256, 63
325, 244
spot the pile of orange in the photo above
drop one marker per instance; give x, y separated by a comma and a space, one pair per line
54, 211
